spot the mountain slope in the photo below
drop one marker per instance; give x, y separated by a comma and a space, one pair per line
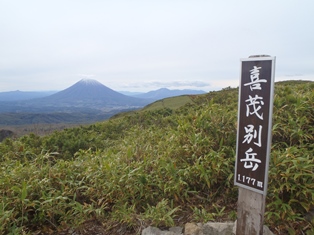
184, 158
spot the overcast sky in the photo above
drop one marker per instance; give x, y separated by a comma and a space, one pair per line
134, 45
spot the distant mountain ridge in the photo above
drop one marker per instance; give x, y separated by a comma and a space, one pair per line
86, 95
89, 89
84, 102
166, 93
23, 95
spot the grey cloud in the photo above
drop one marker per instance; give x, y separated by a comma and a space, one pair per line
148, 45
294, 75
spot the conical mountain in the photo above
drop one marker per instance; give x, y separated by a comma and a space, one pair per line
86, 95
85, 101
92, 94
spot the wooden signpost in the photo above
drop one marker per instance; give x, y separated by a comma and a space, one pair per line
256, 92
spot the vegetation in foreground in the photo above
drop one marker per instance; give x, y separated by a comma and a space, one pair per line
160, 167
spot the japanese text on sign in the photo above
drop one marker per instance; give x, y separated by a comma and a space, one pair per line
254, 105
255, 99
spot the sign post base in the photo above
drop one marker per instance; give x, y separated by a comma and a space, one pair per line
250, 212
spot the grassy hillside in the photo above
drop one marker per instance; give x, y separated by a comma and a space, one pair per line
172, 103
160, 166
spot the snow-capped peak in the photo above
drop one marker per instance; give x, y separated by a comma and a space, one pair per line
89, 81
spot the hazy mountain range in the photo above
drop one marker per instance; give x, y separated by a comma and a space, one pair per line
86, 100
87, 89
23, 95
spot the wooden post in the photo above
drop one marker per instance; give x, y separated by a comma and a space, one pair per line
250, 212
253, 142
